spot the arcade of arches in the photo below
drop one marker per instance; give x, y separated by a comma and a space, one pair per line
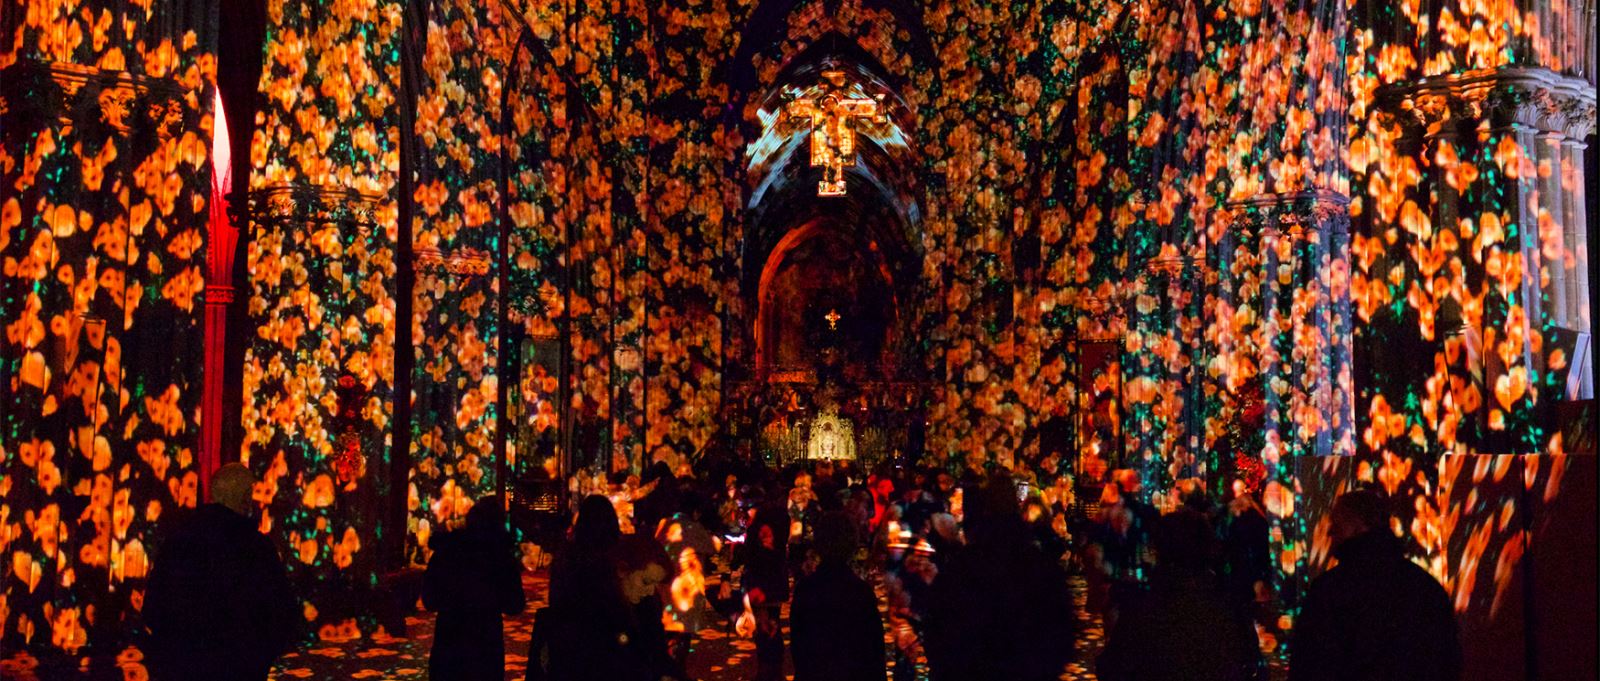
400, 255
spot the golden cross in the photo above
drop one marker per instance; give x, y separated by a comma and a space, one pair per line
833, 319
832, 118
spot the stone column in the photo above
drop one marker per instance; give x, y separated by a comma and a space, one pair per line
1553, 243
1575, 228
1304, 308
1520, 239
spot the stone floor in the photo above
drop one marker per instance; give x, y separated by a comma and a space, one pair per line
715, 655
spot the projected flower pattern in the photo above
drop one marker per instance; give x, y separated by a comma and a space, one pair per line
104, 182
321, 296
1118, 136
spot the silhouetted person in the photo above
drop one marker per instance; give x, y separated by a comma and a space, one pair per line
999, 609
1375, 616
833, 622
218, 602
766, 585
1246, 556
583, 564
613, 630
472, 580
660, 503
1184, 629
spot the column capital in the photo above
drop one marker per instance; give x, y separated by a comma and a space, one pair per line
463, 262
1317, 210
1508, 97
313, 203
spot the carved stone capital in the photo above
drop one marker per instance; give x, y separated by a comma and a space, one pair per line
68, 90
465, 262
1319, 211
305, 203
1511, 97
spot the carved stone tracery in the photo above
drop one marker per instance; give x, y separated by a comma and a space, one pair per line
1533, 98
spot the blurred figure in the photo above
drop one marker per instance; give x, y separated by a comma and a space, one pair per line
1246, 557
612, 633
1375, 615
834, 623
1190, 493
1041, 524
659, 503
1184, 630
218, 601
766, 585
473, 579
999, 609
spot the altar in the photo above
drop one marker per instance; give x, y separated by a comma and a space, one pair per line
832, 434
831, 437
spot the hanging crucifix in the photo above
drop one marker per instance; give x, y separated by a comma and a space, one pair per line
832, 116
833, 319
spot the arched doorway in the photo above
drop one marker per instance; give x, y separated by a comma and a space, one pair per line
830, 267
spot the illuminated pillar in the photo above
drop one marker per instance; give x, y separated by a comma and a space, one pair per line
1551, 232
1520, 243
1576, 236
1303, 339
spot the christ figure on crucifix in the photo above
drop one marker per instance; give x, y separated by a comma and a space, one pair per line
832, 117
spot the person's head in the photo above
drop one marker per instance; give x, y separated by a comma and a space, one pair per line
1356, 513
1191, 493
231, 486
1127, 480
992, 508
769, 529
1109, 496
658, 472
642, 566
834, 537
1183, 541
1034, 510
487, 515
596, 526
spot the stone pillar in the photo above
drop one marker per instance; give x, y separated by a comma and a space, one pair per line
1553, 244
1575, 229
1507, 174
1304, 336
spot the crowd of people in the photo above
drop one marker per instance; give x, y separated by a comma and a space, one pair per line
887, 574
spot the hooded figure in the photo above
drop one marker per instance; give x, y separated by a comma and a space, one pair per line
472, 580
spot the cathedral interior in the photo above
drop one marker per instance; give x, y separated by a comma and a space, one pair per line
397, 256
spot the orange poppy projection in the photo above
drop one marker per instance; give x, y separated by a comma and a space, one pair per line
1336, 244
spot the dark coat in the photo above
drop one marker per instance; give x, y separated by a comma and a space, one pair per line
834, 627
1184, 630
472, 580
1246, 556
602, 639
1000, 610
1375, 617
218, 602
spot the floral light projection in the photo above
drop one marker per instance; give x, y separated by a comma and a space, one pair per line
1352, 222
104, 177
321, 262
